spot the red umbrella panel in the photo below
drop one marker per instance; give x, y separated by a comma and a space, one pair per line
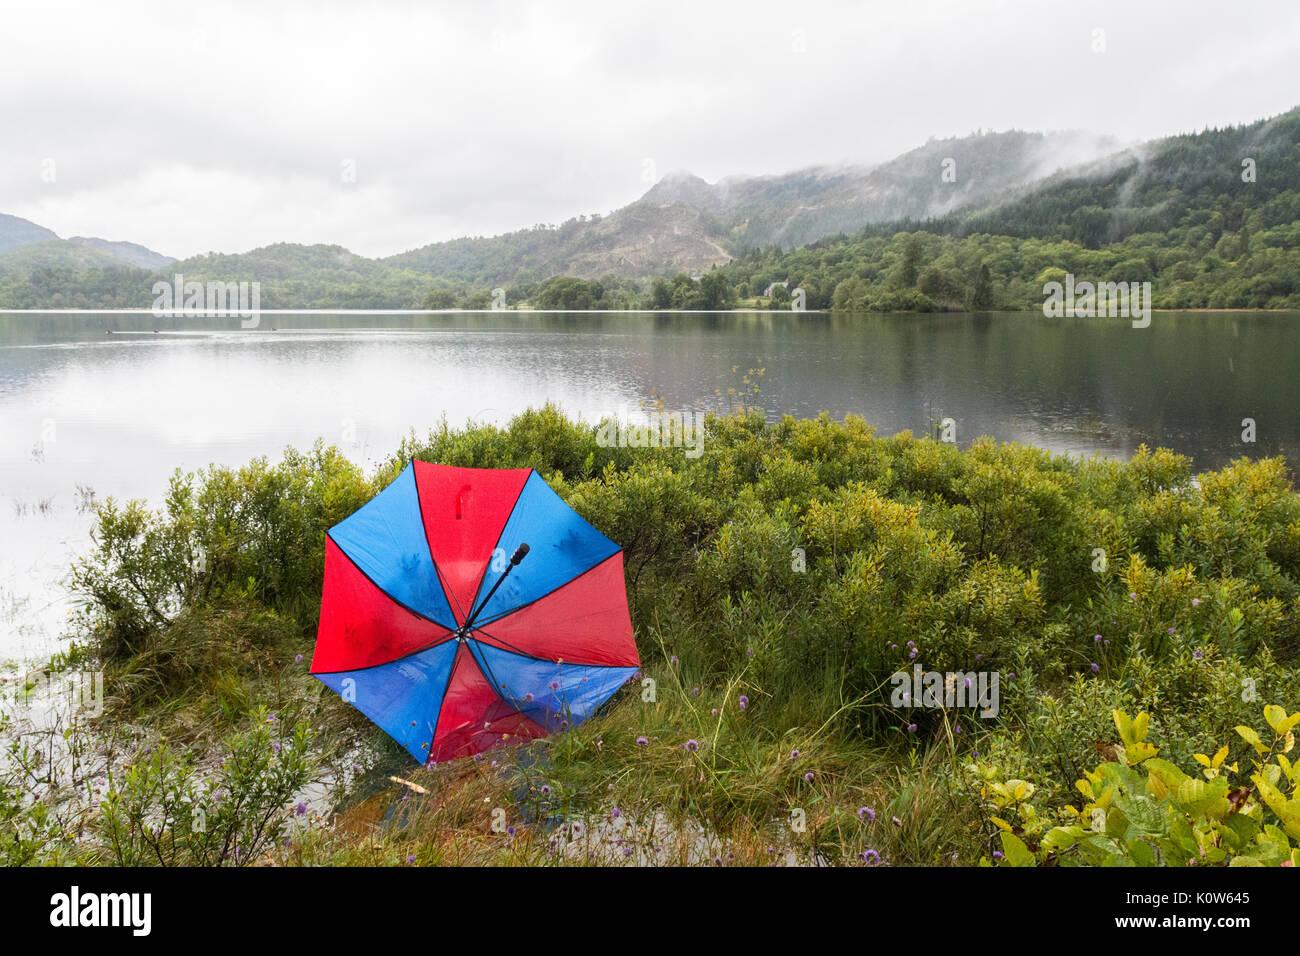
466, 606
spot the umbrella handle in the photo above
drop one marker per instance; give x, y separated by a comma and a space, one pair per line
521, 552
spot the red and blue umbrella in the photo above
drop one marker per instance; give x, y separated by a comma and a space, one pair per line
466, 606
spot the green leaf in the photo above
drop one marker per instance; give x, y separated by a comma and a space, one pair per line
1117, 823
1199, 797
1252, 738
1016, 853
1141, 852
1274, 715
1141, 724
1061, 838
1125, 727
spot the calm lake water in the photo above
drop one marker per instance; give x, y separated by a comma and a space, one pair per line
83, 409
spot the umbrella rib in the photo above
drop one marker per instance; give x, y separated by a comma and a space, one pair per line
380, 588
451, 672
542, 597
483, 665
521, 652
419, 650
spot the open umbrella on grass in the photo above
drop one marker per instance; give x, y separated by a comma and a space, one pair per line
464, 606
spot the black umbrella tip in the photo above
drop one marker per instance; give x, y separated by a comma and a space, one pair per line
520, 553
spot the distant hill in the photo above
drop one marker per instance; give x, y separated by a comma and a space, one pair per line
294, 276
15, 232
56, 253
25, 246
129, 252
642, 239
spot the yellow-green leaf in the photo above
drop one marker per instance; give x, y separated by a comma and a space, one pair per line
1274, 715
1124, 726
1252, 738
1141, 724
1016, 853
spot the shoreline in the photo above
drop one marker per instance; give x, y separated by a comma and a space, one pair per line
333, 311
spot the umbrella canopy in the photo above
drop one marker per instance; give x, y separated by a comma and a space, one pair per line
463, 606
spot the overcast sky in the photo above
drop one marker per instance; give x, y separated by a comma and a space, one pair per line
232, 126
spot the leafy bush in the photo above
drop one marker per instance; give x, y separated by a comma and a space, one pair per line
1140, 810
164, 811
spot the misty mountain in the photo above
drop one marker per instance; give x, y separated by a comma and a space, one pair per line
685, 224
1210, 219
1215, 178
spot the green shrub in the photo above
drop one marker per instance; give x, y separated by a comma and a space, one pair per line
1140, 810
163, 811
